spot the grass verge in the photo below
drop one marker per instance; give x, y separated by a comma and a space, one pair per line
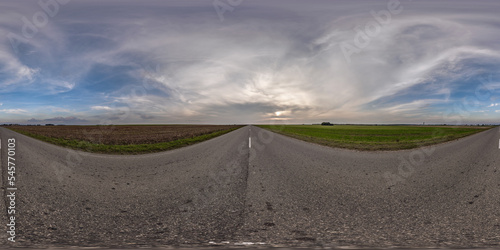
125, 149
373, 138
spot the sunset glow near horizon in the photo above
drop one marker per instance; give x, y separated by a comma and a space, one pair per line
247, 61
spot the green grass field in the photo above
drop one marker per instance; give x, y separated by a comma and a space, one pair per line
375, 137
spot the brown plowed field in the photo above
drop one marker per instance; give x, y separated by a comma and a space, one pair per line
124, 134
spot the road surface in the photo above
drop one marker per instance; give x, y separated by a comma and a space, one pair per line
254, 187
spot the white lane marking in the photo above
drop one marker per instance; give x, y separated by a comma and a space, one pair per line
498, 143
249, 142
246, 243
0, 143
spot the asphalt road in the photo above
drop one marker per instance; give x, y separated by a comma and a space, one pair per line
254, 187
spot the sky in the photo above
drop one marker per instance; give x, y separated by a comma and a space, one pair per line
249, 61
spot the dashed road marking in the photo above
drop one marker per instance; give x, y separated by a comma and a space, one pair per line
249, 142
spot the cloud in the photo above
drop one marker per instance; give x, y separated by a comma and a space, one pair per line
59, 109
147, 117
14, 111
59, 120
175, 61
100, 108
